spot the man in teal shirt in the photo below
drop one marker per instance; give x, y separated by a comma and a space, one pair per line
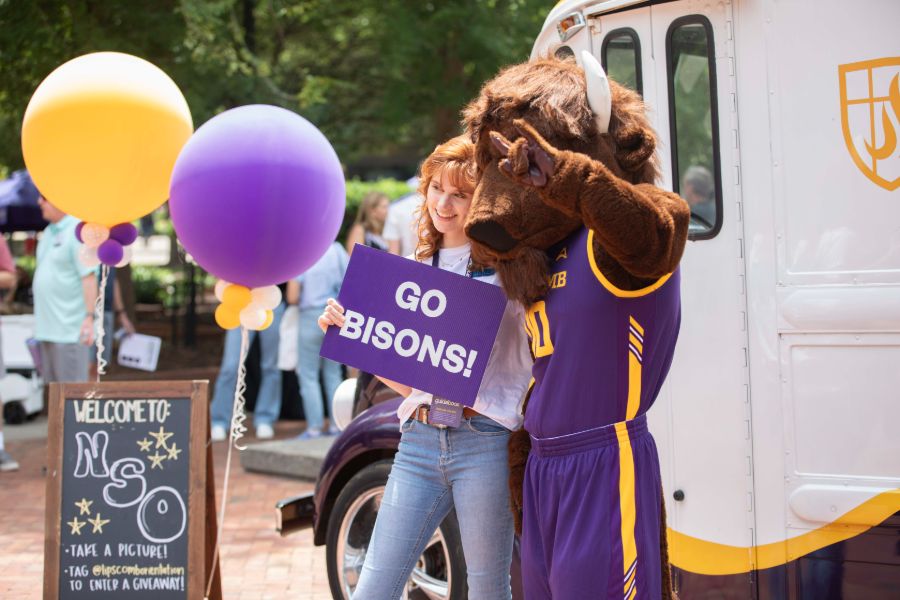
65, 291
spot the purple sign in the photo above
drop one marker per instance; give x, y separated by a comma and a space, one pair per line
416, 324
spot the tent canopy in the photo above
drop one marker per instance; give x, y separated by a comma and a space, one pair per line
19, 210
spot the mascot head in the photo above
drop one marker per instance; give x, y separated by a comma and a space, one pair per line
508, 223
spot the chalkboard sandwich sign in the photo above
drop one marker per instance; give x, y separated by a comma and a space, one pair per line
127, 497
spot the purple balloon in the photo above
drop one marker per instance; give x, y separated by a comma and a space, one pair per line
257, 195
78, 229
124, 233
110, 252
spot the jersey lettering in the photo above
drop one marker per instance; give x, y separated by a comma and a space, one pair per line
538, 328
558, 280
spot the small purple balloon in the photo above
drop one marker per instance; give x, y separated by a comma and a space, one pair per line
257, 195
110, 252
124, 233
78, 229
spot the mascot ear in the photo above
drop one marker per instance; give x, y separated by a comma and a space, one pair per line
634, 147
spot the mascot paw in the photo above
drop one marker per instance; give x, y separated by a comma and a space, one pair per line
529, 160
519, 446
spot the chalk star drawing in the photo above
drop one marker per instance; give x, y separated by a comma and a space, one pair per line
174, 452
76, 525
161, 437
85, 506
98, 523
156, 460
144, 444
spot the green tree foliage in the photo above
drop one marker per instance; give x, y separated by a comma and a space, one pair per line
37, 36
356, 189
379, 77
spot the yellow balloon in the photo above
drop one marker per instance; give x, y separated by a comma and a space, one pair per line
236, 297
270, 316
101, 134
227, 317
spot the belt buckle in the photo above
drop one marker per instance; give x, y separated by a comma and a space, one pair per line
427, 420
424, 418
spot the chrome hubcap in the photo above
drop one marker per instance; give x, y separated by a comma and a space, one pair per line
430, 579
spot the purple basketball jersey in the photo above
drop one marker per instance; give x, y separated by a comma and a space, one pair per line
601, 353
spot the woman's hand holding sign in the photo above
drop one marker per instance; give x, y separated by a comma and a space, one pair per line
332, 315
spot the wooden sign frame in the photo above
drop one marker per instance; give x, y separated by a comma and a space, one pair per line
201, 489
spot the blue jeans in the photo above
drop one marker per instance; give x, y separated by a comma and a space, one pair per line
435, 470
310, 364
268, 400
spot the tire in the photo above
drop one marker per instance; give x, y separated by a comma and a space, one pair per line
14, 413
439, 574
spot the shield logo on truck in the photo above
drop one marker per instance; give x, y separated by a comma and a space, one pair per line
870, 117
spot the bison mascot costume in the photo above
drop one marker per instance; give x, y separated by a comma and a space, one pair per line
567, 211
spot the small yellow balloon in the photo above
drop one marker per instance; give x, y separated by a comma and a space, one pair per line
270, 316
227, 318
236, 297
101, 134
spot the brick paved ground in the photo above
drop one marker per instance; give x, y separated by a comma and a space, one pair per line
257, 563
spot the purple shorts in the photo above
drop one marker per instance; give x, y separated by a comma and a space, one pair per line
591, 515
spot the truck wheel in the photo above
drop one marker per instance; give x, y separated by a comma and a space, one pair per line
439, 574
14, 413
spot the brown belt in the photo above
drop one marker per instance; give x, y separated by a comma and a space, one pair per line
421, 413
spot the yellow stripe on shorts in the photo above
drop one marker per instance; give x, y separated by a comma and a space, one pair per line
628, 511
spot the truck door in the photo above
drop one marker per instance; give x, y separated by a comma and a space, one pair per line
680, 56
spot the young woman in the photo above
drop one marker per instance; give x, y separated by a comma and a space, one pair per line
369, 222
465, 467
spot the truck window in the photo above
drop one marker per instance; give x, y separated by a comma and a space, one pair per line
693, 122
620, 56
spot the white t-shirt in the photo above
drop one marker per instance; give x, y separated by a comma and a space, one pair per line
401, 223
509, 366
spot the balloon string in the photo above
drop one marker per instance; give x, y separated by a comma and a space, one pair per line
99, 308
238, 415
237, 431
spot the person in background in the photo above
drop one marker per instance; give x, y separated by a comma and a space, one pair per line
8, 281
699, 189
268, 399
65, 292
400, 228
310, 291
369, 224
